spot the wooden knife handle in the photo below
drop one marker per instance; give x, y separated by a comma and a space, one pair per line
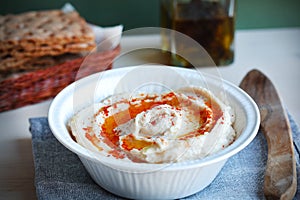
280, 175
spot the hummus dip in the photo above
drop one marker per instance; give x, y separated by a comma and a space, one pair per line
186, 124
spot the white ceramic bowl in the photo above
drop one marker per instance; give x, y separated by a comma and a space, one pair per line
142, 180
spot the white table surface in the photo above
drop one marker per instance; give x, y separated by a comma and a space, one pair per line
275, 52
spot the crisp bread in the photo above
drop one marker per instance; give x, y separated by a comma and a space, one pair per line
53, 50
30, 64
39, 29
28, 40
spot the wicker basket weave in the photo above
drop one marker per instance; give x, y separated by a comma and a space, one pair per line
36, 86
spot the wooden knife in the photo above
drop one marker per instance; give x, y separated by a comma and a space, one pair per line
280, 176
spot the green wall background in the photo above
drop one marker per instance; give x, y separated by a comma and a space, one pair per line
251, 14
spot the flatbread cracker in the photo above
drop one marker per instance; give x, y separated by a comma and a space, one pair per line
28, 39
44, 28
30, 64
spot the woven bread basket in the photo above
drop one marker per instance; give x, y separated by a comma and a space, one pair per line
36, 86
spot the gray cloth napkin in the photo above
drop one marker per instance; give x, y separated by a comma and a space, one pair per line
59, 174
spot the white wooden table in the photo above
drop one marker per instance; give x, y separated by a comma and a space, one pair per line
276, 52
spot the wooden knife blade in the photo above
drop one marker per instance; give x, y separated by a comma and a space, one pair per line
280, 176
